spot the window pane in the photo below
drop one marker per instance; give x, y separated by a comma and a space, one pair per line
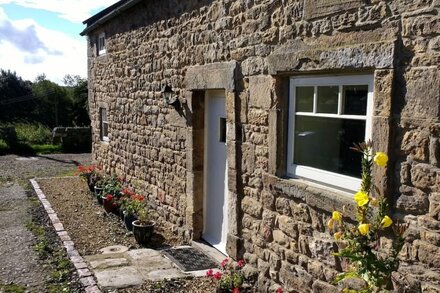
328, 99
103, 114
104, 129
304, 98
222, 123
354, 99
325, 143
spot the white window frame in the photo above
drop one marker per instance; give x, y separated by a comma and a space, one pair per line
322, 176
101, 50
104, 138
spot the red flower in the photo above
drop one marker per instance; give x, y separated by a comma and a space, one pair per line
224, 262
210, 273
109, 197
236, 290
120, 179
217, 276
280, 290
240, 263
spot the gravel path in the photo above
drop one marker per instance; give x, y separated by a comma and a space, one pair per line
18, 260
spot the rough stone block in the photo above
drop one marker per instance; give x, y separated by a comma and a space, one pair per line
323, 287
425, 176
211, 76
422, 93
260, 95
293, 276
416, 205
416, 143
288, 226
252, 207
320, 8
281, 238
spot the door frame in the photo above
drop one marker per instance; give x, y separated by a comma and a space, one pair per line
198, 79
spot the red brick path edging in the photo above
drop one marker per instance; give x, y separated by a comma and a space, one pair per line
86, 276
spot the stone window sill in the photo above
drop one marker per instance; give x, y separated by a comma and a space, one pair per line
313, 194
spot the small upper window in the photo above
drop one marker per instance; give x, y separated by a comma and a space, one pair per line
103, 124
326, 116
101, 44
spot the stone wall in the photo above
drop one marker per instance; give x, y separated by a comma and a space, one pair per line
73, 139
277, 224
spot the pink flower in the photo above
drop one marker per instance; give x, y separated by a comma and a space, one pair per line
224, 262
217, 276
280, 290
210, 273
240, 263
236, 290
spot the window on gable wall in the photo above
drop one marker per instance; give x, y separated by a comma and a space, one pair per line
103, 120
326, 116
101, 44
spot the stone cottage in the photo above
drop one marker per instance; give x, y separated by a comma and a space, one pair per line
236, 118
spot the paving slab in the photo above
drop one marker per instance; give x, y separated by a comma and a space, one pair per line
131, 268
102, 264
121, 277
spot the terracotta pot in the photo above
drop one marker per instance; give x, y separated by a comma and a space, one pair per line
143, 232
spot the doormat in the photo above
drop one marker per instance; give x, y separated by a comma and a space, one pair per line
190, 259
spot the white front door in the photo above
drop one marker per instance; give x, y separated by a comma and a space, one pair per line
215, 171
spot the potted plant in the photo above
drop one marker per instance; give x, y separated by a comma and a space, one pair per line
86, 173
143, 227
109, 203
129, 206
99, 188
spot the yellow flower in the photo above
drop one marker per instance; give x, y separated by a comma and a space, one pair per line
364, 228
331, 224
386, 222
336, 216
381, 159
361, 198
337, 235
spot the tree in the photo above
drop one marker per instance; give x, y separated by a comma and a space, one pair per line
77, 92
53, 106
14, 89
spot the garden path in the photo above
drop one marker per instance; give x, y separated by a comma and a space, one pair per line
18, 261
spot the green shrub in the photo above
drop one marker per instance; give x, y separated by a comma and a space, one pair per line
4, 148
46, 148
33, 133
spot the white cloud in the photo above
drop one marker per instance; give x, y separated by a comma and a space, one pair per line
73, 10
54, 53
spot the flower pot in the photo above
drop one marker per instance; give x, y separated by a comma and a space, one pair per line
143, 232
98, 194
90, 183
109, 206
128, 220
121, 213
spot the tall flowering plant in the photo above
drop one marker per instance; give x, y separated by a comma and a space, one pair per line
360, 244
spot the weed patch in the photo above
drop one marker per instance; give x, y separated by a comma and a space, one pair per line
12, 288
51, 252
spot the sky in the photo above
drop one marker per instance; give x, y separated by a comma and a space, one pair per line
42, 36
